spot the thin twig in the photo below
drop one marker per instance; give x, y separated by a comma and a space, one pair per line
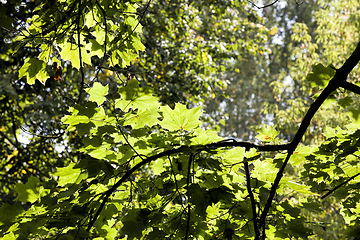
265, 6
10, 141
141, 17
342, 184
80, 57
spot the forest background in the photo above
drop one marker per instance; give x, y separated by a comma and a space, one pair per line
179, 119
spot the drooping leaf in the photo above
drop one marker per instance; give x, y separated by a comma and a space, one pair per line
34, 69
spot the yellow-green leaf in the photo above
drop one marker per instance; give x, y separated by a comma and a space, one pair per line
34, 69
97, 93
181, 118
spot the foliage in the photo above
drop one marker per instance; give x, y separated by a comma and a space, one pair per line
147, 170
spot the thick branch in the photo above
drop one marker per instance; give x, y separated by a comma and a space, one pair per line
247, 145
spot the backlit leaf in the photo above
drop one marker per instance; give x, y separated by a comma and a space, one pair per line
267, 134
97, 93
34, 69
149, 117
67, 175
180, 118
235, 155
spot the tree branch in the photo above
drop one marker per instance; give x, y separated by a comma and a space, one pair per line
252, 199
184, 149
337, 187
351, 87
10, 141
265, 6
335, 82
80, 57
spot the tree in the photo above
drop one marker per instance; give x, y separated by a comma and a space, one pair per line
149, 170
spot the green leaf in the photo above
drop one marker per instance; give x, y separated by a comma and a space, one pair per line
355, 115
100, 152
31, 191
320, 75
148, 117
34, 69
70, 51
252, 153
345, 102
74, 120
134, 97
180, 118
67, 175
299, 155
135, 221
137, 44
199, 197
267, 134
311, 205
298, 230
213, 210
133, 22
8, 214
143, 102
205, 137
264, 170
122, 57
95, 48
329, 132
158, 166
235, 155
98, 117
97, 93
303, 189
